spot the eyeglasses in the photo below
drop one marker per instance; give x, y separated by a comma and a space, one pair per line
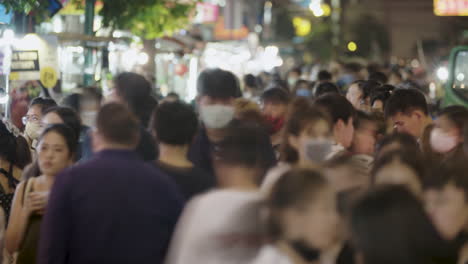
31, 118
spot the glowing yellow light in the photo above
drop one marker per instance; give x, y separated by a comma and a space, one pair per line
302, 26
352, 46
326, 9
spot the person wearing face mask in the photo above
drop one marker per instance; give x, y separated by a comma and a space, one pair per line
302, 89
217, 91
86, 105
302, 221
274, 103
342, 115
447, 136
307, 140
32, 120
293, 76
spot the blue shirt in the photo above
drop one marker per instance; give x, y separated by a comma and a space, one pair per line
112, 209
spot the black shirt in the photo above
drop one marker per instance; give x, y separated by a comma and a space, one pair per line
191, 181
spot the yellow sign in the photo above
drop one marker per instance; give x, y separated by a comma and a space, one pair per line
451, 7
49, 77
352, 46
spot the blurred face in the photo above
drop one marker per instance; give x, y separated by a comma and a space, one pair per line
51, 118
319, 130
274, 109
317, 223
53, 154
365, 138
411, 123
448, 210
354, 96
445, 136
34, 114
400, 174
344, 132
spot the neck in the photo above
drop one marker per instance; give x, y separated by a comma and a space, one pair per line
174, 155
215, 135
304, 163
114, 146
427, 121
238, 178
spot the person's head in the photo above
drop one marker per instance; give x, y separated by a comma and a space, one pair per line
302, 210
250, 82
378, 77
446, 197
56, 149
342, 115
239, 157
13, 148
396, 141
32, 120
217, 90
307, 128
294, 75
275, 103
135, 91
172, 97
302, 89
400, 168
448, 131
395, 78
359, 94
389, 225
110, 117
86, 104
324, 76
407, 109
174, 123
379, 100
367, 128
326, 88
63, 115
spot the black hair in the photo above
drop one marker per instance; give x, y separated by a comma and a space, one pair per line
244, 146
389, 226
367, 87
14, 149
404, 101
66, 132
276, 95
251, 81
447, 173
406, 142
173, 94
380, 95
75, 100
69, 118
457, 114
324, 75
218, 83
175, 123
294, 189
363, 117
337, 106
379, 77
43, 103
117, 124
326, 88
137, 93
297, 70
412, 160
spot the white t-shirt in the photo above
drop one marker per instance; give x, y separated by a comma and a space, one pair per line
222, 226
271, 255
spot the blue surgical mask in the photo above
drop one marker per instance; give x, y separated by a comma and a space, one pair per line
304, 93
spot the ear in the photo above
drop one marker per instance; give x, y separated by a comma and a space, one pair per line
294, 142
418, 114
339, 125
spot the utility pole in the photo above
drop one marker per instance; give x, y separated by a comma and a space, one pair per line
89, 30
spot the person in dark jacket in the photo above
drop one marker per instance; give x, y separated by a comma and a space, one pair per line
114, 208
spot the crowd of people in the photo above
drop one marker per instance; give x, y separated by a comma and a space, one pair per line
263, 172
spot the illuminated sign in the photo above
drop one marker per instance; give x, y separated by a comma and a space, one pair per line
451, 7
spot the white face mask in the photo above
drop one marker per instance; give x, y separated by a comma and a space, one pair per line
88, 118
317, 150
33, 130
442, 142
216, 116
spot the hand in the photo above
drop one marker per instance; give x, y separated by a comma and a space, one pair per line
36, 202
